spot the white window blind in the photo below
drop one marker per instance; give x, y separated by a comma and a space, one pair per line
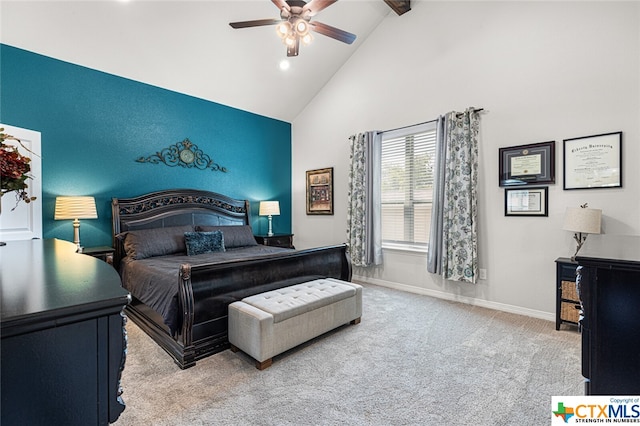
408, 158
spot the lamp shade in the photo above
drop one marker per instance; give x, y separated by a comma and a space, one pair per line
269, 208
578, 219
75, 208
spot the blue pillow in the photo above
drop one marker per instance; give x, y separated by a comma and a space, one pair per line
234, 235
203, 242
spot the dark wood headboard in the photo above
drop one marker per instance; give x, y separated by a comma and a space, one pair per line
175, 207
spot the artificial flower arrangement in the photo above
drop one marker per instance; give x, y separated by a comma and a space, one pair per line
15, 169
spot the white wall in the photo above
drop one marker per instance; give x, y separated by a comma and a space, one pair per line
542, 71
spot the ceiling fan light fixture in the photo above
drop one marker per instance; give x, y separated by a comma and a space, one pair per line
283, 29
289, 40
302, 27
306, 39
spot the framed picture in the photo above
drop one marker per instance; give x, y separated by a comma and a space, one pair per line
528, 201
593, 161
320, 191
527, 164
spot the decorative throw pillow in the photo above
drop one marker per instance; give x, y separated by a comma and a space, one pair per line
145, 243
234, 235
203, 242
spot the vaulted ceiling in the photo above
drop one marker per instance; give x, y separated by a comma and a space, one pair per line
189, 47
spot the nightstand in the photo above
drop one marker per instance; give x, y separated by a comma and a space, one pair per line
103, 253
276, 240
567, 301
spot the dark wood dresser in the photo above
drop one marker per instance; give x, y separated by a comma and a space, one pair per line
63, 338
609, 290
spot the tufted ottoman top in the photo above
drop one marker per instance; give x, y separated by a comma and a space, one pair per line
298, 299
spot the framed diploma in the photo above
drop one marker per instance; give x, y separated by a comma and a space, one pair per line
593, 161
527, 164
528, 201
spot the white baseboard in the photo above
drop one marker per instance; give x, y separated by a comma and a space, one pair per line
548, 316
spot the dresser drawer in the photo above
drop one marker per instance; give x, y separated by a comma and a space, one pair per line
278, 240
567, 272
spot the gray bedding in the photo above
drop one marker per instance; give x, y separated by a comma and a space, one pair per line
154, 280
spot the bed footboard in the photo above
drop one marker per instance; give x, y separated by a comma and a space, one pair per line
206, 291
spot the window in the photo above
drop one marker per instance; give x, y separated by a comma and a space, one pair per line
407, 161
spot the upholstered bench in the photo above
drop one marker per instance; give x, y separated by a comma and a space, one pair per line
270, 323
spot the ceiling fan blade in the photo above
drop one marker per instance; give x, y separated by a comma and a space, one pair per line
280, 4
315, 6
293, 49
332, 32
256, 23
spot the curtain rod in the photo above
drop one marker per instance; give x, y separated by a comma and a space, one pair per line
474, 110
410, 125
426, 122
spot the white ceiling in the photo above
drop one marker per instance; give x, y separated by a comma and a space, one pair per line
189, 47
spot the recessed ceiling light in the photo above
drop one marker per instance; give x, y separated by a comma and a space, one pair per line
284, 65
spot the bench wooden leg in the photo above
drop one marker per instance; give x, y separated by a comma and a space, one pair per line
355, 321
264, 364
234, 348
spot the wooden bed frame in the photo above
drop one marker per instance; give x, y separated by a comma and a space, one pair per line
205, 291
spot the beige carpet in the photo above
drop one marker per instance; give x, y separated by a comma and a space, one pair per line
414, 360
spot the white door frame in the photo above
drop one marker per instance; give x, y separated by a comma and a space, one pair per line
24, 221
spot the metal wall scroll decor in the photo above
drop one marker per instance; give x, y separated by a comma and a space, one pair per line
184, 154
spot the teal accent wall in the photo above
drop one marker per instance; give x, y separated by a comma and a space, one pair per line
95, 125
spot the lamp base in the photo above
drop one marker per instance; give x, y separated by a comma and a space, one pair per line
270, 232
76, 235
580, 240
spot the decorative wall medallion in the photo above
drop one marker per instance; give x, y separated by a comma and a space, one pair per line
183, 154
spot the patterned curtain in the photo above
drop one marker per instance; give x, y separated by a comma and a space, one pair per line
459, 255
363, 211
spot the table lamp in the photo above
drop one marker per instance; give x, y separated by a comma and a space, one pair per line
75, 208
269, 208
582, 221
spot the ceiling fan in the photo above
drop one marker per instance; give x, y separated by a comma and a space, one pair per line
295, 23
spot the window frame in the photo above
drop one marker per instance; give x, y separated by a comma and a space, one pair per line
404, 132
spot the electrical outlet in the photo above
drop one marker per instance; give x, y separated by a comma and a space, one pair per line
483, 274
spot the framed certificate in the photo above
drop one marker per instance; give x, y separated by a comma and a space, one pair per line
528, 201
527, 164
593, 161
